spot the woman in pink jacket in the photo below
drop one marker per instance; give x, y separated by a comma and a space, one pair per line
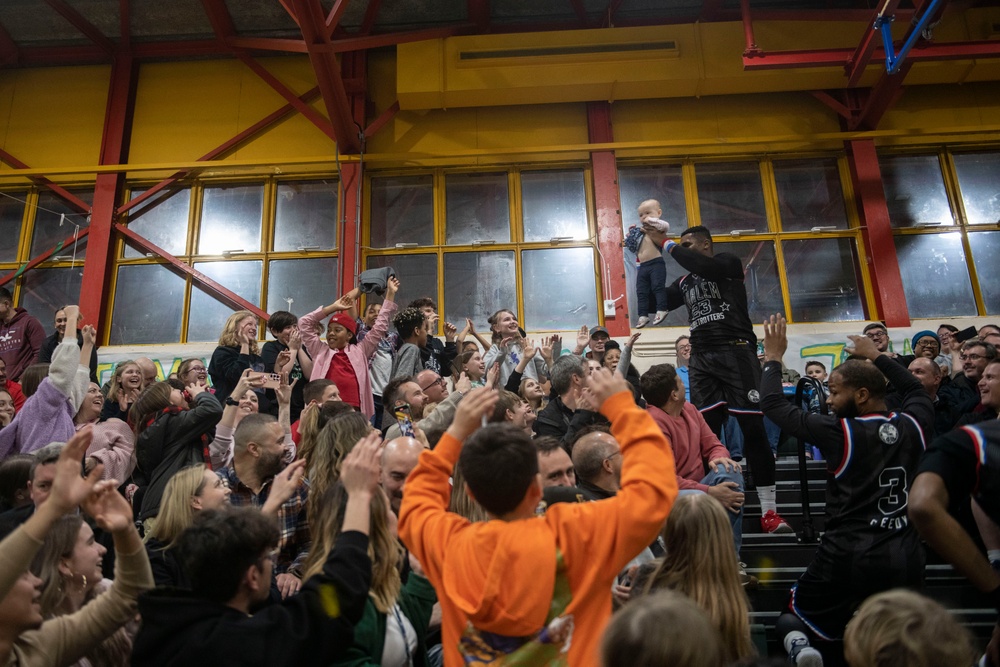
341, 358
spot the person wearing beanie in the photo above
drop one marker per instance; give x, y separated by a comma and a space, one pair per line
924, 344
341, 358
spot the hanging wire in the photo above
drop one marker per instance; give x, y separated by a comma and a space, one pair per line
42, 208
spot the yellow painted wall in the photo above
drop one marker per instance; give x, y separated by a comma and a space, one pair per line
53, 116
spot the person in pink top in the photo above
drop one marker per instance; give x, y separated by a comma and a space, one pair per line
341, 358
694, 445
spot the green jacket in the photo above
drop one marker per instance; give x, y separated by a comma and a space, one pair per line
416, 600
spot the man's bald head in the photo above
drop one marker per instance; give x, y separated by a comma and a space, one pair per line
432, 384
399, 458
597, 460
928, 372
148, 369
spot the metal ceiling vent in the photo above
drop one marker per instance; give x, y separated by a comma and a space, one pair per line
629, 50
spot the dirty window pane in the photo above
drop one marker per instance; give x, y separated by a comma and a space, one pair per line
914, 191
477, 208
985, 250
48, 231
133, 320
418, 276
301, 286
665, 184
560, 289
731, 197
208, 315
476, 285
44, 291
979, 179
809, 194
11, 216
402, 211
306, 216
935, 278
760, 276
164, 221
823, 280
231, 219
554, 204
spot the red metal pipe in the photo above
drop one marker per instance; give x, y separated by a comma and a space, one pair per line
383, 118
268, 44
839, 57
752, 49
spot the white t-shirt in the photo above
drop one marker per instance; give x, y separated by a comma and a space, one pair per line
400, 639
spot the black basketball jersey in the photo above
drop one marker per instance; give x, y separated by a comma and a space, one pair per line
968, 460
715, 296
867, 492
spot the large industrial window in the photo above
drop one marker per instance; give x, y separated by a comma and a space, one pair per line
477, 242
786, 219
274, 243
945, 210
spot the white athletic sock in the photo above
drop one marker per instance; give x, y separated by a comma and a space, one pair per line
794, 637
767, 501
993, 554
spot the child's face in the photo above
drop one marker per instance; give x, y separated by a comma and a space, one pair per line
647, 211
337, 337
817, 372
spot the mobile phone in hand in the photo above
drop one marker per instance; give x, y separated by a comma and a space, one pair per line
404, 419
271, 380
965, 334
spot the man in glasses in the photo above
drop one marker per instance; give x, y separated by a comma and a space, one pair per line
878, 334
434, 386
976, 356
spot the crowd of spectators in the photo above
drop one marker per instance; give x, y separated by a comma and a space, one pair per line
356, 491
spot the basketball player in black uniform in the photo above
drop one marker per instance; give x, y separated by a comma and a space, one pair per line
871, 455
724, 371
962, 463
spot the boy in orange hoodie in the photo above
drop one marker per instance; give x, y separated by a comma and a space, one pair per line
521, 588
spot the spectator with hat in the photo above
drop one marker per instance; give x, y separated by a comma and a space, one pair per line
342, 358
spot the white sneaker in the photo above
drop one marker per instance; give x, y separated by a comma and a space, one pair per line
643, 321
660, 314
800, 652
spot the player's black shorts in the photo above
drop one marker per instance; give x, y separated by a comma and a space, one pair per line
834, 586
726, 375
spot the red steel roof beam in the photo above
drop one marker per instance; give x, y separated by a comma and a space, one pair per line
9, 53
219, 18
752, 50
383, 118
581, 12
333, 18
327, 70
394, 38
862, 55
38, 259
478, 12
269, 44
77, 20
65, 194
315, 117
371, 15
222, 149
215, 289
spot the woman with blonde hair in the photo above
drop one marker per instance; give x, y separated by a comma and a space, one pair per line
123, 390
312, 421
394, 624
192, 490
699, 563
237, 351
509, 348
323, 460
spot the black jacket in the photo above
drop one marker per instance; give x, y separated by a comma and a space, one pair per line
560, 422
438, 356
313, 627
174, 441
227, 366
50, 344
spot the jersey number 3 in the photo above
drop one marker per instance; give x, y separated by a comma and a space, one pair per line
896, 494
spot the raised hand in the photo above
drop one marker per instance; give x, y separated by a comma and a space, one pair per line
284, 358
109, 508
545, 349
864, 346
493, 375
471, 410
295, 340
450, 330
284, 390
391, 287
286, 482
775, 338
602, 385
463, 384
529, 349
582, 339
195, 388
345, 302
631, 339
69, 489
89, 335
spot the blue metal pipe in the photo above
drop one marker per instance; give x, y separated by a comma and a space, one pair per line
883, 24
